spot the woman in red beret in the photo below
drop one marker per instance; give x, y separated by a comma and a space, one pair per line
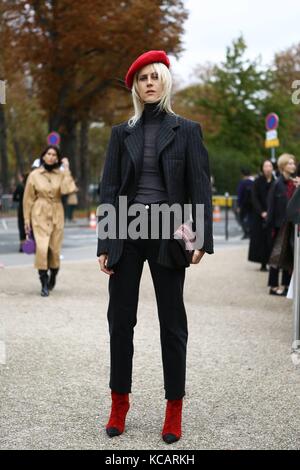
156, 158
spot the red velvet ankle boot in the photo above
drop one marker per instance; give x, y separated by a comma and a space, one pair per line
172, 428
119, 407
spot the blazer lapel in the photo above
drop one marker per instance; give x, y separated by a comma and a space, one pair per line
166, 133
134, 143
135, 140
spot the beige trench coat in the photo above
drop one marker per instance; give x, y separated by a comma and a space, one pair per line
43, 210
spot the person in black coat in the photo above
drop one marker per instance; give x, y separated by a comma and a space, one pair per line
244, 202
279, 195
260, 234
18, 197
155, 158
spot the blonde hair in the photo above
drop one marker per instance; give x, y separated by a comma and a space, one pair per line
283, 161
165, 102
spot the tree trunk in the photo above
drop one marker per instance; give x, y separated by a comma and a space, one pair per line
84, 163
19, 156
68, 144
3, 151
66, 127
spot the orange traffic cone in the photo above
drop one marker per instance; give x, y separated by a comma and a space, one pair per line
93, 220
217, 214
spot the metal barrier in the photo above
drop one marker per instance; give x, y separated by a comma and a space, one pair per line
296, 290
229, 203
293, 215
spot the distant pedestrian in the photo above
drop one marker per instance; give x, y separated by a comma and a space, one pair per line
279, 195
18, 197
43, 212
244, 202
260, 233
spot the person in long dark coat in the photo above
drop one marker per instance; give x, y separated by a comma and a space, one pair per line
279, 195
260, 234
156, 158
244, 201
18, 197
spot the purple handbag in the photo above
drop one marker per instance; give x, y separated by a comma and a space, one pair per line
29, 246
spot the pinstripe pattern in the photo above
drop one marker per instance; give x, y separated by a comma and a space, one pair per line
183, 162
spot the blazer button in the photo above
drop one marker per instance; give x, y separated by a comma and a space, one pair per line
146, 206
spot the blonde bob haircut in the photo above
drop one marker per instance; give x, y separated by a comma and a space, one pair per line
284, 159
165, 102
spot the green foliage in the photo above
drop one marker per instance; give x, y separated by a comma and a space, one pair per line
238, 91
232, 100
226, 165
98, 141
27, 130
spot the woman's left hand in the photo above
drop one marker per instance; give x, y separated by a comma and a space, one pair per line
198, 254
66, 164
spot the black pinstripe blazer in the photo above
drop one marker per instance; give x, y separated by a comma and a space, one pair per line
183, 163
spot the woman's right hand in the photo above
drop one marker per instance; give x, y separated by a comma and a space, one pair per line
103, 263
296, 181
27, 228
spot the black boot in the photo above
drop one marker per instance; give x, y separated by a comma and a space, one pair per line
44, 281
53, 273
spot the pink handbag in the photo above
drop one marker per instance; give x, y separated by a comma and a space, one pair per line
182, 248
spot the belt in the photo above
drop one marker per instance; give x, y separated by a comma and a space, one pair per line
49, 199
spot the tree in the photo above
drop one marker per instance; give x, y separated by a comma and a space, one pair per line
284, 71
188, 101
239, 89
229, 102
27, 123
3, 127
77, 51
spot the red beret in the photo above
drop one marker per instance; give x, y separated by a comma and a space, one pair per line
143, 60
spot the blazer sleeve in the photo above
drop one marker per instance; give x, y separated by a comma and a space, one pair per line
111, 181
199, 183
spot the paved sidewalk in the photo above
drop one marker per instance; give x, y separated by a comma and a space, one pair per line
243, 391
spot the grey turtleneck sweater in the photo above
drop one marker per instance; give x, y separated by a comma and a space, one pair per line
150, 186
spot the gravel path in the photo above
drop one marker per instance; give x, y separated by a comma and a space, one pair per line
243, 391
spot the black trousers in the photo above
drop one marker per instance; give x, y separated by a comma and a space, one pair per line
274, 277
122, 316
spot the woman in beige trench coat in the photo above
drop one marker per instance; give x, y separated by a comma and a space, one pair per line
44, 213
